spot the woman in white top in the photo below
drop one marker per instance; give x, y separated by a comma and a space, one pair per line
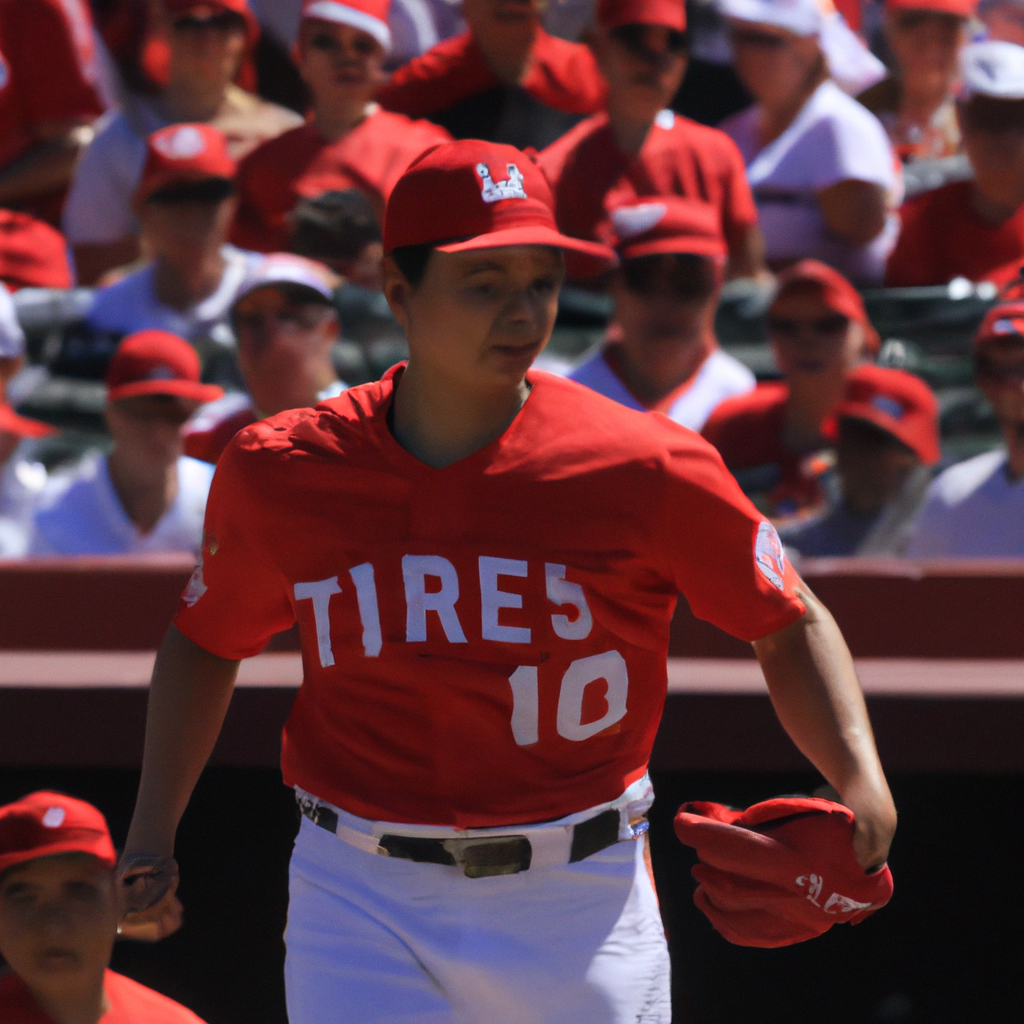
820, 165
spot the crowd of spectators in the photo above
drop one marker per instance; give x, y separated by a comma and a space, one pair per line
147, 151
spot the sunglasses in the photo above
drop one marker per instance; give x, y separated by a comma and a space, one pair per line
305, 317
907, 21
362, 43
791, 327
205, 190
752, 39
226, 21
166, 409
633, 38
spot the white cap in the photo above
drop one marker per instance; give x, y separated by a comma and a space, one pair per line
370, 16
12, 337
801, 17
993, 68
286, 268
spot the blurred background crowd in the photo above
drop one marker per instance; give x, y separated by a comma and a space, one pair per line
819, 214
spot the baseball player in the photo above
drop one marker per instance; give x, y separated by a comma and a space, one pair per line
483, 561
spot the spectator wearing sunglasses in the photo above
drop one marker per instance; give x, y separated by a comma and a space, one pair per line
821, 168
916, 103
974, 229
775, 439
504, 80
185, 203
348, 141
638, 148
887, 440
207, 42
145, 495
661, 354
286, 325
975, 509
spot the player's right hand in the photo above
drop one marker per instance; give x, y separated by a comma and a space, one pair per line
151, 910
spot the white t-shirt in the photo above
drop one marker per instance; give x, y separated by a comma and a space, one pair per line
832, 139
973, 510
98, 207
132, 305
80, 513
720, 377
21, 483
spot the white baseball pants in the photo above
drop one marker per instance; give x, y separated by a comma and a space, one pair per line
379, 940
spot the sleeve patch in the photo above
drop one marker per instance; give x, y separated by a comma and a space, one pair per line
769, 555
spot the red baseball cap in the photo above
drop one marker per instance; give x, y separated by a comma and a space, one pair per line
668, 13
667, 224
1004, 320
32, 254
211, 8
157, 363
960, 8
466, 195
370, 16
838, 294
184, 152
780, 872
44, 824
21, 426
898, 403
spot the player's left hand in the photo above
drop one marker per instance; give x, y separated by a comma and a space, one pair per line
874, 820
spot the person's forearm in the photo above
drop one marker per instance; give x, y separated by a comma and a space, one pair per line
188, 698
44, 168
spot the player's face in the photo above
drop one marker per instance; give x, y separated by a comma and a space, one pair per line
480, 318
146, 429
339, 61
58, 919
207, 45
773, 64
926, 45
644, 66
812, 340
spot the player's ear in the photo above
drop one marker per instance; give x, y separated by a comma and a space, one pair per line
396, 290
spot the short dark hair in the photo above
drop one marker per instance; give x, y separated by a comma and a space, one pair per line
205, 190
412, 261
336, 225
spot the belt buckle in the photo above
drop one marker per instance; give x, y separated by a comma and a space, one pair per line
484, 857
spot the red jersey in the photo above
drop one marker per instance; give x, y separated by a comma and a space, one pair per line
747, 431
589, 174
47, 74
483, 644
942, 238
130, 1003
301, 163
209, 441
561, 75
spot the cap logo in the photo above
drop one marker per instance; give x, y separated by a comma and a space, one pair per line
196, 587
511, 188
769, 555
883, 403
630, 221
183, 144
54, 817
1008, 326
161, 373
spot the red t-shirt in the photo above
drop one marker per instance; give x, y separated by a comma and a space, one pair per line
130, 1003
942, 238
47, 73
209, 441
561, 75
589, 174
456, 624
747, 431
301, 163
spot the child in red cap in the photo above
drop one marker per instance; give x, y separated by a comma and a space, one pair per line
59, 908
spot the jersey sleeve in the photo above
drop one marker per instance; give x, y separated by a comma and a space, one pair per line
237, 598
725, 557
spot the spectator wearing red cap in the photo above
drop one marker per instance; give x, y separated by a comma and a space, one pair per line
207, 41
975, 509
49, 98
348, 141
59, 907
821, 168
32, 253
145, 495
638, 148
661, 353
505, 79
974, 229
887, 438
286, 325
773, 438
916, 102
185, 203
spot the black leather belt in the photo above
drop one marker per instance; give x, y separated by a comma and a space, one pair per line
480, 856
